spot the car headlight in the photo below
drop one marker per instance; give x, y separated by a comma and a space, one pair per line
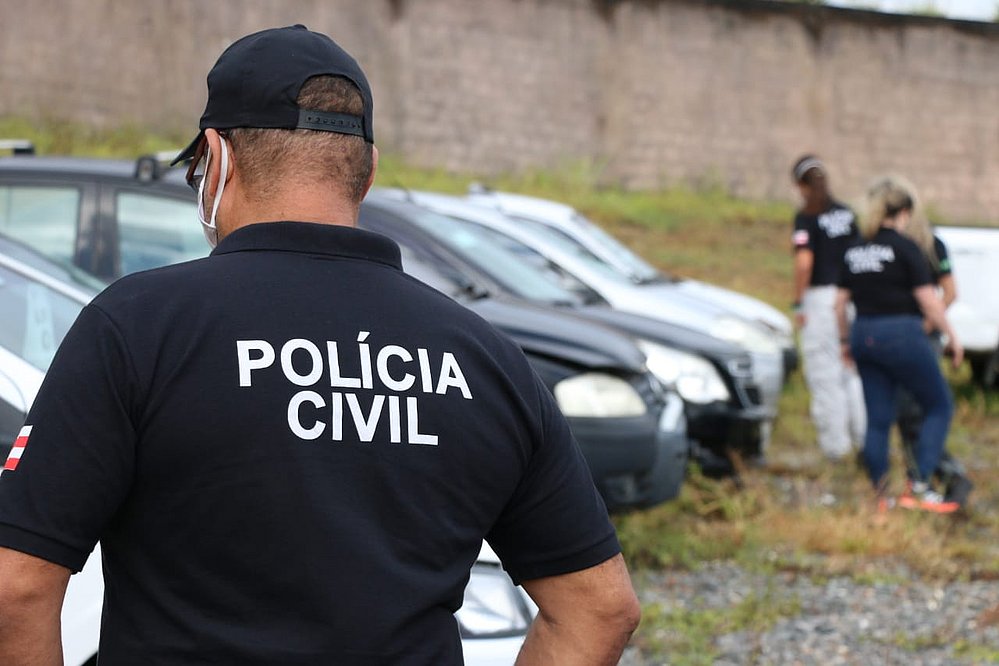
741, 333
596, 394
694, 378
492, 606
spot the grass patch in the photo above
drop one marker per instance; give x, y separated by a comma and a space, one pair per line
60, 138
687, 636
976, 652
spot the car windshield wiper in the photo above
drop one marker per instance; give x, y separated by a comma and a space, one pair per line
474, 292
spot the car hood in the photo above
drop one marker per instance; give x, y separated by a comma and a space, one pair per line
661, 332
746, 307
664, 301
561, 335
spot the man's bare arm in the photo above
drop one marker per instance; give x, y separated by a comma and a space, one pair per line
31, 594
804, 259
585, 618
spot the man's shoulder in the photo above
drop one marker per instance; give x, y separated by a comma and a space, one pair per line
144, 286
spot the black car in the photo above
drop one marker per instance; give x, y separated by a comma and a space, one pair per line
107, 217
636, 460
726, 418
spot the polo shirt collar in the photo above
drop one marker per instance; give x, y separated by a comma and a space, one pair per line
315, 239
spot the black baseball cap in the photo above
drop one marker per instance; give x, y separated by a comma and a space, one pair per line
256, 81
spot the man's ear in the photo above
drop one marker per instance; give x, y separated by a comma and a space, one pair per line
214, 140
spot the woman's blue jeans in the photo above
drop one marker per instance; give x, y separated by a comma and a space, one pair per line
892, 351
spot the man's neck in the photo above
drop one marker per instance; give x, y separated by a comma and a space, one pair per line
318, 208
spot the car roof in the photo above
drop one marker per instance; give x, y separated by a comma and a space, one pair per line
91, 167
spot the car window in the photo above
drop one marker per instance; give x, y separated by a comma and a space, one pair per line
35, 318
156, 231
44, 217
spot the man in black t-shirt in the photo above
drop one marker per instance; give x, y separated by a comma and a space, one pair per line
823, 229
290, 451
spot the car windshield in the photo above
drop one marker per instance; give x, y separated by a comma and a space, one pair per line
427, 273
472, 244
639, 269
572, 247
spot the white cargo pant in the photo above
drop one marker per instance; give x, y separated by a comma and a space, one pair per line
836, 392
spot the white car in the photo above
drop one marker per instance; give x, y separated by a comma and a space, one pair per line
576, 227
662, 300
974, 257
39, 301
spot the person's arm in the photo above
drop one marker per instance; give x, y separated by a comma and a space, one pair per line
842, 298
31, 594
933, 311
804, 259
585, 617
948, 288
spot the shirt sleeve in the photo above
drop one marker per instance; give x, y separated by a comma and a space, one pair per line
943, 258
803, 237
556, 521
76, 452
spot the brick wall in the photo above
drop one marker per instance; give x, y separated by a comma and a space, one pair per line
650, 92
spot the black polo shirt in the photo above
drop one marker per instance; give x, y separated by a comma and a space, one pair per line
827, 236
882, 273
291, 452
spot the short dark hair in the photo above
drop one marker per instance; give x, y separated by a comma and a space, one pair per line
267, 156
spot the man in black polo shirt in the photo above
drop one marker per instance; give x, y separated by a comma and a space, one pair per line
291, 451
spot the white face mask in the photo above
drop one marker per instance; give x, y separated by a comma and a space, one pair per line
208, 226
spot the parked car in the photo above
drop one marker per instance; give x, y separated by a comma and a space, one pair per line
714, 378
656, 301
575, 227
106, 217
974, 256
39, 300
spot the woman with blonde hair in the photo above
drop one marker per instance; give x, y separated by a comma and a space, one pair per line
888, 278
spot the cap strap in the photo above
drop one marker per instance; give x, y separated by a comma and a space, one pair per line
325, 121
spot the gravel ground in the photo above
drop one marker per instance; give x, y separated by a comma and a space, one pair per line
836, 620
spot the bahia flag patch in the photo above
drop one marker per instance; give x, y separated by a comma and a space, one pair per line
14, 457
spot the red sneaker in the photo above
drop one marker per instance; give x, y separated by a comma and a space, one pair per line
919, 496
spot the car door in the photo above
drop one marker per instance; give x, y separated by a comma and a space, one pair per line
56, 215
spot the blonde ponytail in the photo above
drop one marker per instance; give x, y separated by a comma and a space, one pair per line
886, 198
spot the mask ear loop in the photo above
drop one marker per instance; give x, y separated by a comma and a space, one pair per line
223, 172
201, 187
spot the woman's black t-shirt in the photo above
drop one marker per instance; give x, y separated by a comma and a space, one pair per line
881, 274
